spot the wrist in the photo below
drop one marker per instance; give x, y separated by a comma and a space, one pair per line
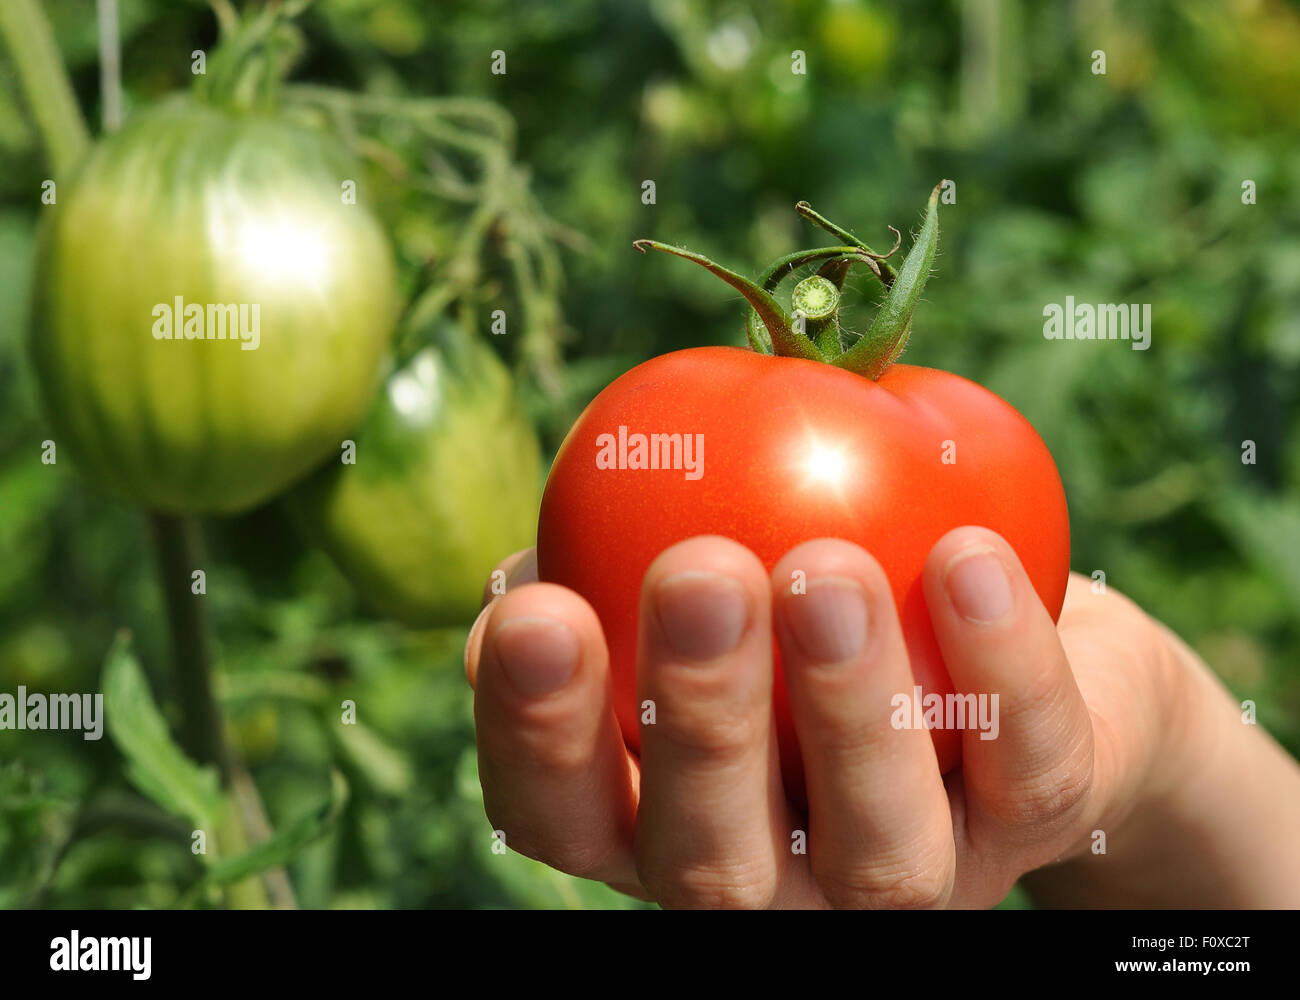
1203, 824
1231, 823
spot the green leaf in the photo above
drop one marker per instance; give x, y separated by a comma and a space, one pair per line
388, 770
284, 845
786, 341
888, 335
1267, 532
155, 764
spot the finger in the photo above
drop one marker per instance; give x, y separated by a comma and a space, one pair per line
557, 779
1130, 683
711, 797
1028, 757
880, 831
515, 570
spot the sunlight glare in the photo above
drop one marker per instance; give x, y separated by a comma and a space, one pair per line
283, 251
825, 465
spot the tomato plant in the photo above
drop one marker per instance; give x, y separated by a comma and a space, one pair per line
447, 475
189, 210
794, 440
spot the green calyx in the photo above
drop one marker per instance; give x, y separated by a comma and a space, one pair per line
811, 328
256, 52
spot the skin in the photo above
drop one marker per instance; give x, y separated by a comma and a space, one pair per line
1108, 722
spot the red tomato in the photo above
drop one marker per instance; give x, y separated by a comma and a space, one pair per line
796, 450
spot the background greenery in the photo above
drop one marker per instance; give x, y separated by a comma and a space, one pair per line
1123, 187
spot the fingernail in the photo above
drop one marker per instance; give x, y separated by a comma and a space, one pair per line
978, 585
538, 655
701, 615
829, 622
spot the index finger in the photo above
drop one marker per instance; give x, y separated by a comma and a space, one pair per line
513, 571
1030, 769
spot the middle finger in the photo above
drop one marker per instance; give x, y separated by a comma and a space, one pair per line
711, 796
880, 827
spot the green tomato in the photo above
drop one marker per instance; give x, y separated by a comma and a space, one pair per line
445, 479
210, 311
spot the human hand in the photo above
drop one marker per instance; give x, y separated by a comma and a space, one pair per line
1103, 726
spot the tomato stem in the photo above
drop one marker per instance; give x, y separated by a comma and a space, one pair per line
246, 70
835, 270
786, 341
502, 213
179, 551
178, 548
816, 302
814, 333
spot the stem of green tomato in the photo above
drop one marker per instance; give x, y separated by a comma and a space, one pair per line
110, 65
177, 542
45, 83
178, 545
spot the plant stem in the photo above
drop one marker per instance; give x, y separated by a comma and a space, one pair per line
110, 65
45, 83
178, 545
232, 839
252, 815
227, 17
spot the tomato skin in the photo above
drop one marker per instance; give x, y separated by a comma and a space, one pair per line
447, 478
214, 207
796, 450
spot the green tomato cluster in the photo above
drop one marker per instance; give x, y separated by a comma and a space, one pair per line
212, 317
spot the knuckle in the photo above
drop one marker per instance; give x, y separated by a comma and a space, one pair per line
725, 736
853, 741
552, 753
711, 887
543, 740
1039, 703
918, 887
1051, 799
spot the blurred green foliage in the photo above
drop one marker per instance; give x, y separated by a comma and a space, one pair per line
1122, 187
